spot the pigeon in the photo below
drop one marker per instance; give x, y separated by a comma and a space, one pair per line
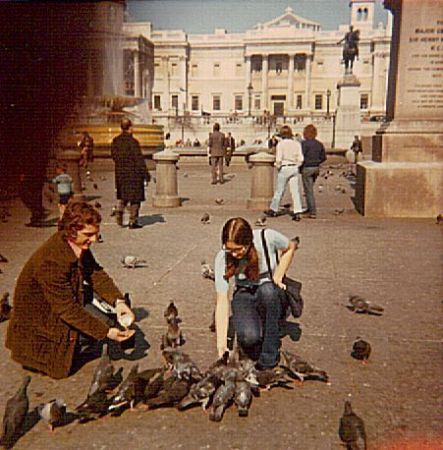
105, 379
343, 191
95, 186
182, 365
155, 382
219, 201
320, 188
212, 327
218, 368
243, 397
5, 307
261, 221
200, 393
114, 211
361, 306
207, 271
185, 175
131, 262
352, 429
88, 175
15, 414
300, 369
205, 219
171, 312
170, 395
268, 378
130, 392
97, 205
100, 239
102, 178
173, 337
94, 407
339, 211
223, 396
53, 412
3, 259
338, 187
439, 219
361, 350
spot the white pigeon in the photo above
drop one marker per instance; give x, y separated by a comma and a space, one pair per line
131, 262
53, 413
207, 271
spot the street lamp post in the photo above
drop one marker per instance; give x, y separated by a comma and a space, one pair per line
250, 88
328, 96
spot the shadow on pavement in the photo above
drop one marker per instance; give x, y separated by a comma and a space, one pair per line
150, 220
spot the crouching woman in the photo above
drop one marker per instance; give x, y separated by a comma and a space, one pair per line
256, 303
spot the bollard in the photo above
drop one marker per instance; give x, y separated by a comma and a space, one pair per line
166, 190
262, 182
71, 158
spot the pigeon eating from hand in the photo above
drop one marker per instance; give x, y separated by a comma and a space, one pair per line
352, 429
361, 350
131, 262
53, 413
5, 307
205, 219
207, 271
361, 306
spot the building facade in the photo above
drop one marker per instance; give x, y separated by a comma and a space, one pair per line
285, 67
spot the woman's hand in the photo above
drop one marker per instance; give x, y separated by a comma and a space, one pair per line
279, 283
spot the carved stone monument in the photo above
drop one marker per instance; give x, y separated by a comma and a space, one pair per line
405, 176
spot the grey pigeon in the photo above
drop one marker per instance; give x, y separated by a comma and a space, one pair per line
223, 396
268, 378
339, 211
207, 271
130, 392
300, 369
361, 306
53, 413
218, 368
3, 259
205, 219
361, 350
97, 205
173, 337
131, 262
94, 407
182, 365
243, 397
155, 382
15, 414
104, 378
219, 201
200, 392
352, 429
261, 221
171, 312
170, 395
5, 307
320, 188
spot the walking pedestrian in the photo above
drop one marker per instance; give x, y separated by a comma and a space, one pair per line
230, 148
217, 153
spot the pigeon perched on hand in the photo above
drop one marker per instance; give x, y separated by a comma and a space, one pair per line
131, 262
171, 312
15, 414
301, 370
207, 271
53, 413
361, 350
5, 307
261, 221
205, 219
352, 429
361, 306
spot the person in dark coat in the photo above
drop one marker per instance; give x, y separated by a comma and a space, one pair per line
230, 148
130, 174
217, 153
49, 315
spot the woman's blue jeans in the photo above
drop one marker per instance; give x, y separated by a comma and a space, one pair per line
256, 317
291, 175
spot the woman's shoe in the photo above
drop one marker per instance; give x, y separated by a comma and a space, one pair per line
270, 213
296, 217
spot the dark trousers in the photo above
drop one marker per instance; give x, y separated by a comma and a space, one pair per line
309, 175
256, 315
134, 208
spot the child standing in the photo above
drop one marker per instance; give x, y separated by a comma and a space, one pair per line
64, 187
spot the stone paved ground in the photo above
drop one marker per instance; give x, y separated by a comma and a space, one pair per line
397, 263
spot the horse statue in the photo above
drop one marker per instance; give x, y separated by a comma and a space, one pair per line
350, 48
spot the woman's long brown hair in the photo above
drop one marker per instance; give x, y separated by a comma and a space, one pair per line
239, 231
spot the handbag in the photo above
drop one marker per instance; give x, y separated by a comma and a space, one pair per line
292, 294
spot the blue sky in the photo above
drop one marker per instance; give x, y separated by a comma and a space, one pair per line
203, 16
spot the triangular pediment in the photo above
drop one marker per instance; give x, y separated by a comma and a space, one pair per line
290, 20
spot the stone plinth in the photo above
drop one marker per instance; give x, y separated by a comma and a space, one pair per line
262, 181
405, 178
166, 189
347, 122
70, 158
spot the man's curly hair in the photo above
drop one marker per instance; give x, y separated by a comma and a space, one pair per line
77, 215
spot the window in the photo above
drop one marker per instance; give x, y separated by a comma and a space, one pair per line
257, 103
238, 69
194, 70
216, 103
364, 101
216, 70
256, 63
300, 63
173, 69
278, 68
157, 102
174, 102
238, 103
298, 101
194, 103
318, 101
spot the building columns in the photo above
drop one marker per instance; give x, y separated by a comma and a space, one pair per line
137, 79
183, 84
264, 80
290, 94
166, 106
308, 70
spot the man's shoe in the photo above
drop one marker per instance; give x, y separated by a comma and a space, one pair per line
134, 226
270, 213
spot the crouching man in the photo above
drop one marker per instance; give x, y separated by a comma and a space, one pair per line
49, 316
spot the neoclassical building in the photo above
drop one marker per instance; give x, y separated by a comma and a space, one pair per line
287, 66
